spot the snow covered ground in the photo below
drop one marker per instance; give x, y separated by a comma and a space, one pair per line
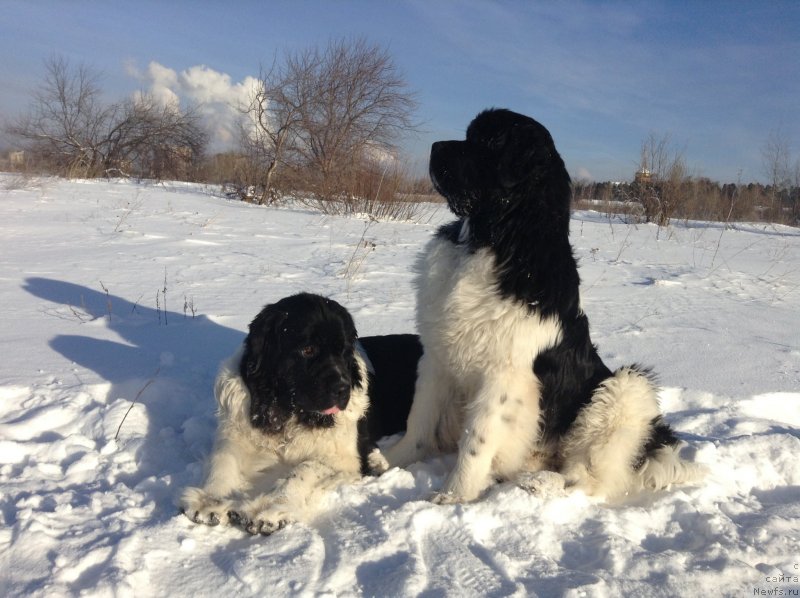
121, 299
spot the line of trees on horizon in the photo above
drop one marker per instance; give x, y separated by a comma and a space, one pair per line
694, 198
325, 124
664, 189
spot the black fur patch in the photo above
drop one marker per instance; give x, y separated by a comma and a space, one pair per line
394, 359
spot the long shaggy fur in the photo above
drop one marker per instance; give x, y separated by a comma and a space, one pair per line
509, 377
295, 416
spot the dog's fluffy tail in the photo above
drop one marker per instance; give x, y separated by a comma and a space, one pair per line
664, 467
601, 451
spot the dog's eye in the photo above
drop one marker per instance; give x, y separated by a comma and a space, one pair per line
496, 142
309, 351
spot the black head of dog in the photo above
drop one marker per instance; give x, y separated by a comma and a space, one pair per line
299, 360
507, 179
506, 160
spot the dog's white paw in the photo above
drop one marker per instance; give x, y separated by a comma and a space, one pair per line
377, 463
544, 484
201, 507
447, 498
265, 522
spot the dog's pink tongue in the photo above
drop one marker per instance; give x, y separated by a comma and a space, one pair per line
331, 410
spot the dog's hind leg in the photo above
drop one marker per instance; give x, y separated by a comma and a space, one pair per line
600, 450
425, 431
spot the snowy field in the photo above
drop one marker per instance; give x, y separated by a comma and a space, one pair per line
121, 299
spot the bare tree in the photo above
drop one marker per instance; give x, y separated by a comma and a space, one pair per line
67, 121
351, 100
269, 129
156, 140
320, 117
661, 179
74, 132
319, 120
775, 159
795, 194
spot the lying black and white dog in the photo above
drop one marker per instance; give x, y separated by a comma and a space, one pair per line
509, 376
300, 407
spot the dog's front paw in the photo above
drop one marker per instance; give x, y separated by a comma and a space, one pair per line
446, 498
542, 483
455, 490
376, 463
201, 507
266, 522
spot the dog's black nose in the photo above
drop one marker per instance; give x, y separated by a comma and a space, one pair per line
341, 389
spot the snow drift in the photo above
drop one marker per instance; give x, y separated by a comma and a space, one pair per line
120, 300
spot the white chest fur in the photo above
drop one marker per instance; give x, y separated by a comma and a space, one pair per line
464, 321
476, 390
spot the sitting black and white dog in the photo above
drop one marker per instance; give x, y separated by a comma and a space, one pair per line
300, 407
509, 377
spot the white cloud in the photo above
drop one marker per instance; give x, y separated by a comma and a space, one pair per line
207, 85
163, 82
583, 174
214, 93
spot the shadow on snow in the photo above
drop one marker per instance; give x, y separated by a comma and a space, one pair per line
164, 361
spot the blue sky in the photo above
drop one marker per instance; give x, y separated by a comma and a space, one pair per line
717, 77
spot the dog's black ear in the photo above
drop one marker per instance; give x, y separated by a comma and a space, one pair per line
351, 336
263, 340
345, 318
528, 154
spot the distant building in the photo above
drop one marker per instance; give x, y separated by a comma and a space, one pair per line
643, 176
16, 159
